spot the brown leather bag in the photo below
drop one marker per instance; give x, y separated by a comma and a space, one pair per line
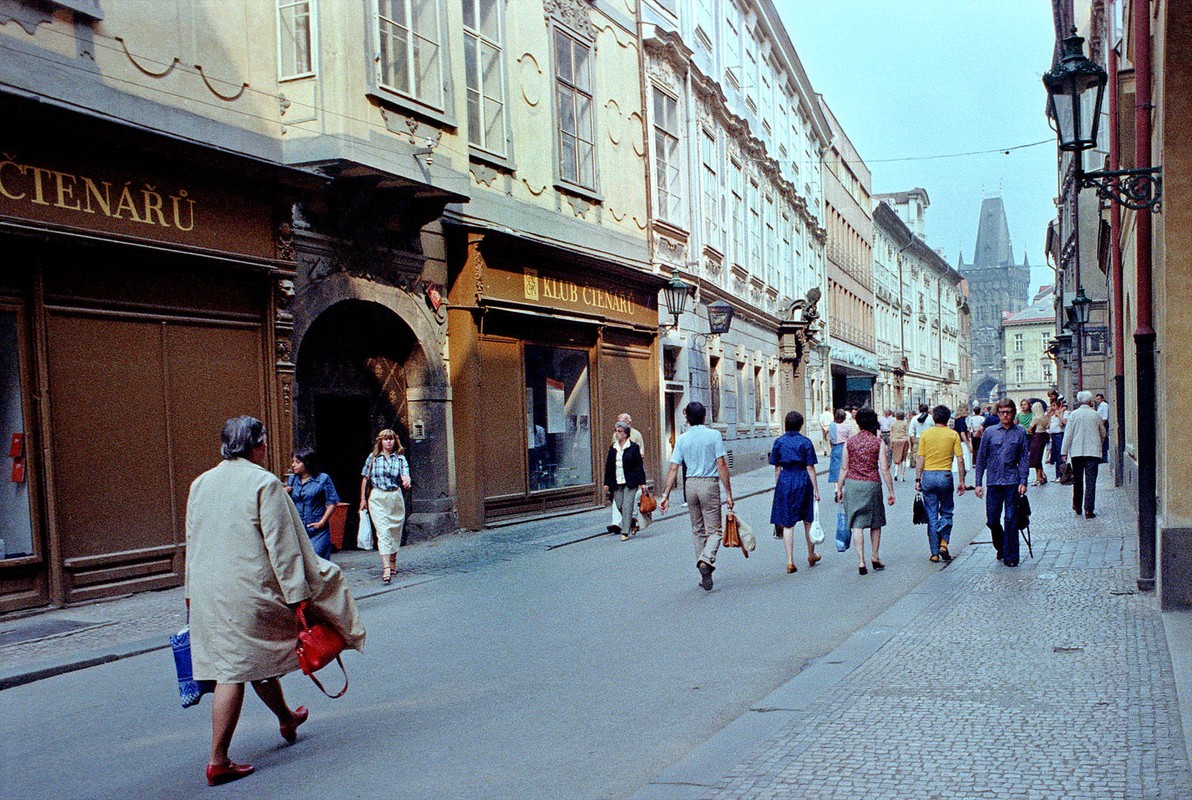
647, 504
732, 535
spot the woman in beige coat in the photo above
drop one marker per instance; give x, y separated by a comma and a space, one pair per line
249, 563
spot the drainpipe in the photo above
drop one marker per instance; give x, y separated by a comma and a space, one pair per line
1115, 252
1144, 333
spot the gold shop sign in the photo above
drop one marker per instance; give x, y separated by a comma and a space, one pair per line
192, 211
535, 287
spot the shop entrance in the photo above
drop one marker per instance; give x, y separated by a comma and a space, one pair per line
351, 382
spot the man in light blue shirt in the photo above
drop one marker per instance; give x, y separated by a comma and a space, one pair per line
702, 450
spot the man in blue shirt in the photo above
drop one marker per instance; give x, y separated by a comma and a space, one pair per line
702, 450
1004, 458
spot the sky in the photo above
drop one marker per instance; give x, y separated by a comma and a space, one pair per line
909, 79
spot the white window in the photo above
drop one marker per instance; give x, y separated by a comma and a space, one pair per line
573, 88
711, 190
786, 267
732, 45
409, 60
705, 15
667, 167
483, 65
736, 187
770, 242
295, 39
755, 228
752, 79
767, 105
1046, 372
1018, 343
1045, 339
1019, 372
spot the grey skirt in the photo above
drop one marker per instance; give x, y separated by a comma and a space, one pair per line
863, 504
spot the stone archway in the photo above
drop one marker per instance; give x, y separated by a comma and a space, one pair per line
984, 388
368, 358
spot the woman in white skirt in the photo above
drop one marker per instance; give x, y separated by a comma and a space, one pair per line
386, 472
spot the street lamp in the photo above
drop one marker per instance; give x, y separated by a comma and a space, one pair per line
720, 317
675, 292
1075, 91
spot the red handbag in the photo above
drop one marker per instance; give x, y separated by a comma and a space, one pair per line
318, 646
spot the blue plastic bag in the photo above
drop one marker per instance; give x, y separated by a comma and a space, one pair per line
192, 691
844, 536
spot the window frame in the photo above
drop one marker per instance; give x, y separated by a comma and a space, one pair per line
442, 111
576, 40
313, 44
711, 185
674, 138
485, 149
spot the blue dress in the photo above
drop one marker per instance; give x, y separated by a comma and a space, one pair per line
311, 499
794, 496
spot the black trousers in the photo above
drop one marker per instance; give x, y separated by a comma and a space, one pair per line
1084, 482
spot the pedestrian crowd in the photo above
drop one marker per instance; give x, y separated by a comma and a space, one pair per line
258, 549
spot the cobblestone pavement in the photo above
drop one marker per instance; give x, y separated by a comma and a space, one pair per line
133, 624
1051, 680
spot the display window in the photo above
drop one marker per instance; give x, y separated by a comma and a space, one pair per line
558, 417
16, 522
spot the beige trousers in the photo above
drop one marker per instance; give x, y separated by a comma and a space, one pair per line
703, 503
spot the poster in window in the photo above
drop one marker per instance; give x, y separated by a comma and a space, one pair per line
556, 403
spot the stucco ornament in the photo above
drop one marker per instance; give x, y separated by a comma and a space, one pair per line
575, 14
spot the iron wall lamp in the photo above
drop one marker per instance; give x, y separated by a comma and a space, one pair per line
1075, 91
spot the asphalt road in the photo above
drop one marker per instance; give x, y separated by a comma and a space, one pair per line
579, 672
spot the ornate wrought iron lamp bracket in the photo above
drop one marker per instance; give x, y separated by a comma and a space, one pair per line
1133, 188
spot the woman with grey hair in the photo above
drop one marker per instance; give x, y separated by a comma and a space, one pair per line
249, 564
624, 471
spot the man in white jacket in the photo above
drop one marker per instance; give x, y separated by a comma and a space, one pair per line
1083, 435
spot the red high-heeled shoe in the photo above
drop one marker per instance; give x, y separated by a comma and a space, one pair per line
289, 731
218, 774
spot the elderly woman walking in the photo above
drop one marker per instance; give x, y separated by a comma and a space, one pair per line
796, 491
249, 564
386, 472
863, 473
624, 471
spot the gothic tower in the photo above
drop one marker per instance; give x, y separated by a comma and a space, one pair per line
997, 287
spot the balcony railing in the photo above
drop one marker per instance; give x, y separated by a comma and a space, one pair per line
850, 264
853, 335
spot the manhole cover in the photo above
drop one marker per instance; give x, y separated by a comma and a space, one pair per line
41, 629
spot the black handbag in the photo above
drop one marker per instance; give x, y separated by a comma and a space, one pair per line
919, 515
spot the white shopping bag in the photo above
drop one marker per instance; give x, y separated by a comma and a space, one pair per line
364, 534
817, 532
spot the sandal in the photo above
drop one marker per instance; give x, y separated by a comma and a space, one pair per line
386, 575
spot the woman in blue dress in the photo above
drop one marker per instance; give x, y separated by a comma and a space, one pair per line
315, 497
797, 491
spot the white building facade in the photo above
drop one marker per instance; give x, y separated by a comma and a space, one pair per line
918, 310
735, 147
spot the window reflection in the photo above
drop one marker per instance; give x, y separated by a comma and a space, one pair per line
558, 418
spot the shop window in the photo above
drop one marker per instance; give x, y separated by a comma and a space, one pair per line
409, 58
16, 524
558, 417
295, 39
483, 64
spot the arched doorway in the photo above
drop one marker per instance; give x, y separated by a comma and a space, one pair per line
985, 390
354, 365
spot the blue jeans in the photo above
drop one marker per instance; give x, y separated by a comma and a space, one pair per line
1003, 525
1057, 444
939, 502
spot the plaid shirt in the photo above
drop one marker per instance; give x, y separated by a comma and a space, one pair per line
385, 471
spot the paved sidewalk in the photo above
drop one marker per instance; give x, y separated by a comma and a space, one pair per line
31, 648
1050, 680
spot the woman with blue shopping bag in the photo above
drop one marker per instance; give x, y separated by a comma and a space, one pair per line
796, 492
